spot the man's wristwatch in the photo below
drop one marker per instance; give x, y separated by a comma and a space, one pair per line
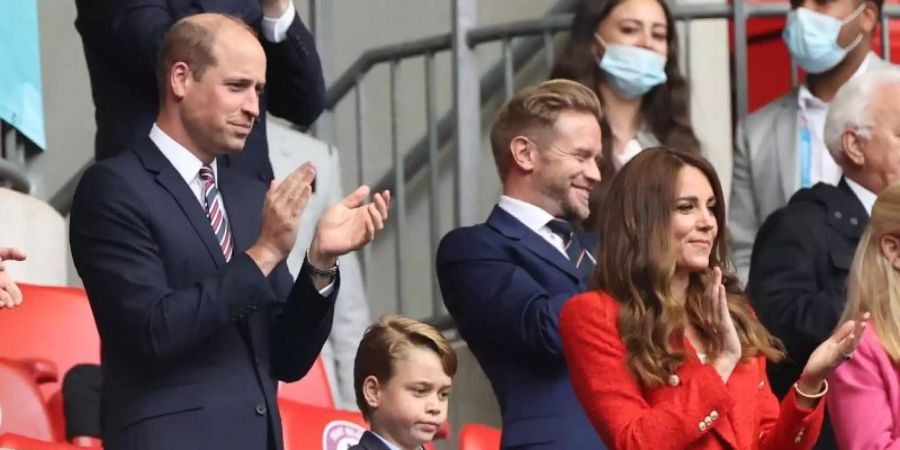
320, 272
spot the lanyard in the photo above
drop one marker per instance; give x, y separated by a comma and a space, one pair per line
806, 153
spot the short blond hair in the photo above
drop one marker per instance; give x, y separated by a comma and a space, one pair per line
388, 341
535, 109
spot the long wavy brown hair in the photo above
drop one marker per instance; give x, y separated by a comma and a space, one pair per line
636, 262
665, 109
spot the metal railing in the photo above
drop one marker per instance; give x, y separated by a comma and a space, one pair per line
520, 41
12, 159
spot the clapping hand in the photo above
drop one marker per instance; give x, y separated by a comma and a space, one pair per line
723, 327
10, 295
349, 225
831, 353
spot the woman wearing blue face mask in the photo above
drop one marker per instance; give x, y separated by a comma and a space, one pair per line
626, 50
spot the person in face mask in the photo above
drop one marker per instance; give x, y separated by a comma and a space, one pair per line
626, 51
780, 148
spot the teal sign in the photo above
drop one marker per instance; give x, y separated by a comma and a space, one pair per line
21, 93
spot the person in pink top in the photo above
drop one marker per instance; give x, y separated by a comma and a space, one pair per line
864, 400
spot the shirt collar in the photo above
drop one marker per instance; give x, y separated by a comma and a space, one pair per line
532, 216
186, 164
807, 100
387, 443
865, 196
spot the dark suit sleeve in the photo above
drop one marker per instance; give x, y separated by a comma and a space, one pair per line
495, 301
118, 258
295, 83
783, 285
301, 327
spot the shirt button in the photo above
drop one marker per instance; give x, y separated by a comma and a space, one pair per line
674, 380
762, 384
702, 426
261, 409
714, 415
707, 421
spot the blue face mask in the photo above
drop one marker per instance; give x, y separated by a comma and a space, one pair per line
811, 38
632, 71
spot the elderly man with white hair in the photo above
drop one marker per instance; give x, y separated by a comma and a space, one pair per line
803, 251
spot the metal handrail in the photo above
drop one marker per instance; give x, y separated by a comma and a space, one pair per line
15, 176
12, 157
419, 47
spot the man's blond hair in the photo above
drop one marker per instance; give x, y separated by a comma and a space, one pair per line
534, 110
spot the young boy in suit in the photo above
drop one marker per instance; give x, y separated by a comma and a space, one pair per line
402, 376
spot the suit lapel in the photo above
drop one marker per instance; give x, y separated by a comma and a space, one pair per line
510, 227
242, 213
785, 146
170, 180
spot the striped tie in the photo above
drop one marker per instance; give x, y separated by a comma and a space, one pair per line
215, 212
577, 254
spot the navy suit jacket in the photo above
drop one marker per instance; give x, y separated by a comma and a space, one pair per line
192, 346
369, 441
121, 39
504, 285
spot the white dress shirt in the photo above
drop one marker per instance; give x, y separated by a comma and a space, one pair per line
813, 110
387, 443
535, 218
188, 166
865, 196
275, 29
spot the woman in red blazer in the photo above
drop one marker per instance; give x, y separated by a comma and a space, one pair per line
667, 353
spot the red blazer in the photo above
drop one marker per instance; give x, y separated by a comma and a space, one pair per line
694, 410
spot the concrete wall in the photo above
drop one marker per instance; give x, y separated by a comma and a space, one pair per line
38, 230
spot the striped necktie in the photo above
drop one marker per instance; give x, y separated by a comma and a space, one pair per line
577, 254
215, 212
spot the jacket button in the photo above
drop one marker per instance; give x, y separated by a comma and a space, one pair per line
838, 215
674, 380
854, 221
261, 409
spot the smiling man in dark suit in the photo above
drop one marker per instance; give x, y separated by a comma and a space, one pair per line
505, 281
183, 259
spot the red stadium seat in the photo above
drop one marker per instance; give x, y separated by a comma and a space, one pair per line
313, 389
16, 442
52, 324
475, 436
22, 409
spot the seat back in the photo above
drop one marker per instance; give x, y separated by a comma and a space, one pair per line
52, 323
308, 427
22, 409
475, 436
313, 389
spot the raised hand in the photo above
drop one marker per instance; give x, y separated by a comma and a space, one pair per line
831, 353
349, 225
723, 327
10, 295
285, 202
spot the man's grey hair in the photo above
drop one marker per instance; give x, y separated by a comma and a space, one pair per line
851, 109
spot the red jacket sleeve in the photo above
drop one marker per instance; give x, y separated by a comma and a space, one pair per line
612, 397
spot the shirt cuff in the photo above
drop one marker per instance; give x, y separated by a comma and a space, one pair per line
275, 29
325, 291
